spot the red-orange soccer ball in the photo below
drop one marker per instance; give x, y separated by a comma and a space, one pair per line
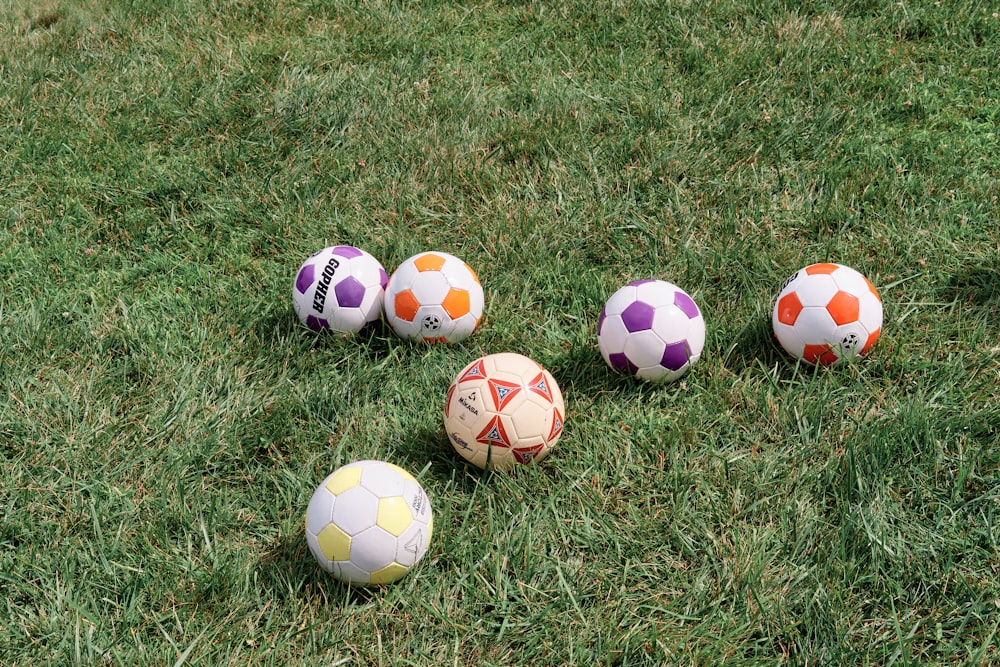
827, 313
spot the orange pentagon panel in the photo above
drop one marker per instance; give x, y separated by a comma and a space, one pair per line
872, 288
789, 308
406, 305
818, 269
457, 303
429, 262
473, 274
870, 342
819, 354
843, 308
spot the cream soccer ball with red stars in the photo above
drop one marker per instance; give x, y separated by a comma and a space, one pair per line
826, 313
339, 288
503, 409
368, 523
434, 297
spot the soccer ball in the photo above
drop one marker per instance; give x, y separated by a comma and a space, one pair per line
339, 288
826, 313
434, 297
369, 522
651, 329
503, 409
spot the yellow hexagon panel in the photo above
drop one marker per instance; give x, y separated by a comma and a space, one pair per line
394, 515
346, 478
334, 543
388, 574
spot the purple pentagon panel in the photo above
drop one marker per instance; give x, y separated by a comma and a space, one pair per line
383, 278
305, 278
348, 251
675, 355
638, 316
350, 293
600, 320
636, 283
686, 304
621, 363
316, 323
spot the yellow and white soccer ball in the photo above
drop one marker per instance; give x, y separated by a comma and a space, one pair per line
368, 523
434, 297
503, 410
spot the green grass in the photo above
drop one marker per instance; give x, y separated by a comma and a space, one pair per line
164, 420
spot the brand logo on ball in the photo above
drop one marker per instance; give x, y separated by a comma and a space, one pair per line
413, 545
419, 500
319, 299
788, 281
468, 402
455, 438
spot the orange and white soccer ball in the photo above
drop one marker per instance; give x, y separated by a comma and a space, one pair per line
369, 522
504, 409
434, 297
826, 313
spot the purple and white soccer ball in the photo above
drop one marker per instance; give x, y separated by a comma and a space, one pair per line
651, 329
340, 288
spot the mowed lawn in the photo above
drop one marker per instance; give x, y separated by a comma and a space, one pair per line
165, 167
